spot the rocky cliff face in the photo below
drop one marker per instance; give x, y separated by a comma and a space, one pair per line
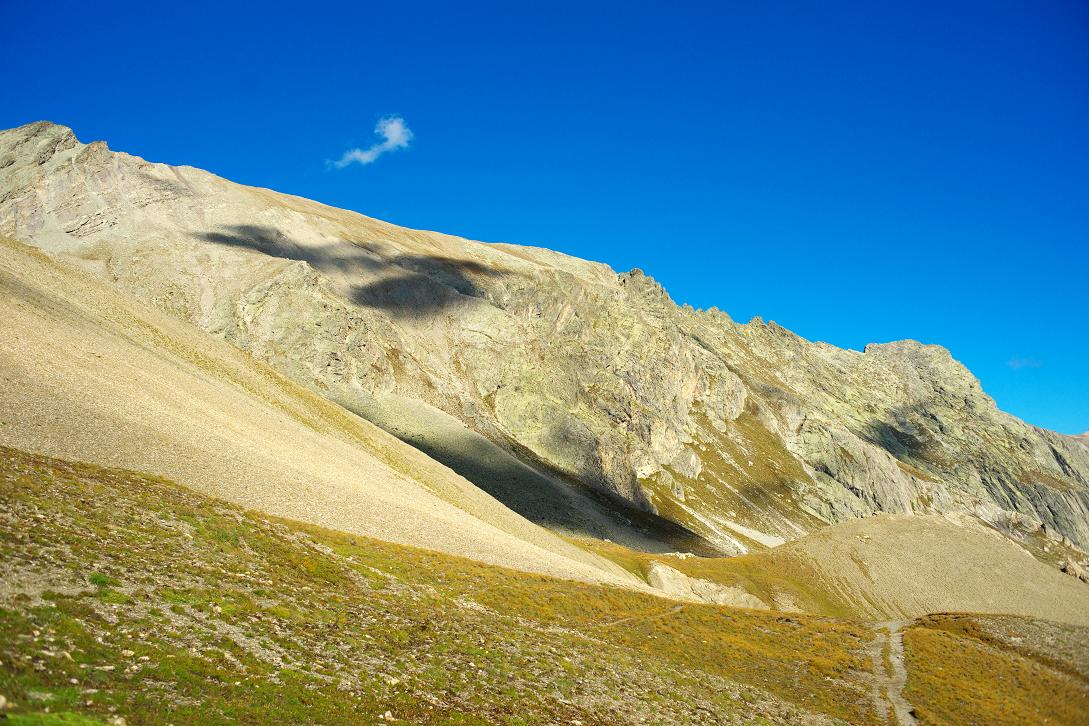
745, 434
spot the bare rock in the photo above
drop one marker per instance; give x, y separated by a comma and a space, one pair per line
595, 376
678, 584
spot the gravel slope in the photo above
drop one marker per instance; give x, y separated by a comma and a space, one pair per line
908, 566
87, 373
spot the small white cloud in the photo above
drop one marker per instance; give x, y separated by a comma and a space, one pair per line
395, 135
1019, 363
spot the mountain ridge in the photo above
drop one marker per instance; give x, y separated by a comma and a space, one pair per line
745, 434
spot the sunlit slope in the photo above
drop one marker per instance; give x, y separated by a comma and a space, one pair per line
131, 596
891, 567
744, 434
179, 608
904, 567
965, 670
88, 373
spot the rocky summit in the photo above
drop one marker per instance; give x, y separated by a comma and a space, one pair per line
581, 392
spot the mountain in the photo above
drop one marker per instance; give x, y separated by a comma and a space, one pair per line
90, 374
598, 392
265, 460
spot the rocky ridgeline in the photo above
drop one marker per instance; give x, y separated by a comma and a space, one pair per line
746, 434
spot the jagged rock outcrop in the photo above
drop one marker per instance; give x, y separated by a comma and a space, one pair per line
744, 433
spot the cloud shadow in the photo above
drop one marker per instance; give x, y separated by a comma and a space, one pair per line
402, 284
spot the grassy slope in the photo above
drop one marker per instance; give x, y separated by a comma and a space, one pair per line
775, 576
983, 670
127, 592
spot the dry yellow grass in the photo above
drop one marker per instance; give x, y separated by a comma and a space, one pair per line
317, 624
961, 674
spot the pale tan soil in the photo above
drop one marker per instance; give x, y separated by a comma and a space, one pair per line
886, 568
87, 373
908, 566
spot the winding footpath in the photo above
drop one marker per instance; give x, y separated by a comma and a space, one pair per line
888, 684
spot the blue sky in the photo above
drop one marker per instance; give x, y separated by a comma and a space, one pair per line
854, 171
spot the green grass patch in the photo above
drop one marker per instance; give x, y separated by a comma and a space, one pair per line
203, 613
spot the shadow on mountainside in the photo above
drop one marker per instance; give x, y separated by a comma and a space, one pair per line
562, 507
413, 285
902, 444
401, 284
530, 487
